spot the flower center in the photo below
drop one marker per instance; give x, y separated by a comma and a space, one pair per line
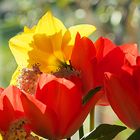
66, 70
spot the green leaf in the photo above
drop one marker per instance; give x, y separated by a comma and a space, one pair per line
104, 132
135, 135
81, 132
90, 94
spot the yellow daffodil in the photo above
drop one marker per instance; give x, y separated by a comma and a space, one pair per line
48, 44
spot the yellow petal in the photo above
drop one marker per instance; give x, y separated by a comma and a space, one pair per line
15, 76
43, 43
20, 45
83, 29
50, 44
56, 41
29, 49
69, 37
47, 62
49, 25
28, 30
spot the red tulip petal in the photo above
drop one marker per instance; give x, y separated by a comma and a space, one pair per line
136, 79
103, 101
82, 55
1, 90
103, 47
10, 107
112, 62
60, 95
123, 100
85, 48
6, 114
42, 119
138, 60
44, 79
131, 52
79, 118
13, 95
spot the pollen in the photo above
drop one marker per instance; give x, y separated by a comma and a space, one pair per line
27, 80
17, 132
66, 71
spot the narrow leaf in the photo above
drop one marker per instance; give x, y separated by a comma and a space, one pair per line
104, 132
81, 132
135, 135
90, 94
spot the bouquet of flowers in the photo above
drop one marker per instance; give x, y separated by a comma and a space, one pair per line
61, 76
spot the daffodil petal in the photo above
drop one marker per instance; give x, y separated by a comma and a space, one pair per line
30, 49
43, 43
83, 29
28, 30
50, 44
15, 76
57, 46
47, 61
49, 25
20, 46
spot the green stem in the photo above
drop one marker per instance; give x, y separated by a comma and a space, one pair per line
81, 132
92, 119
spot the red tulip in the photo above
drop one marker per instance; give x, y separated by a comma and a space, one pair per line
1, 89
93, 59
57, 112
123, 93
10, 106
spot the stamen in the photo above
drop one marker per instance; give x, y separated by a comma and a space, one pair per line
17, 132
27, 80
67, 71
